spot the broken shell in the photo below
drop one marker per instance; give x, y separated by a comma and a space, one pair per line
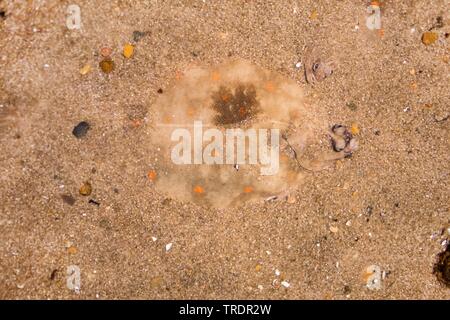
339, 129
343, 140
107, 65
351, 146
315, 68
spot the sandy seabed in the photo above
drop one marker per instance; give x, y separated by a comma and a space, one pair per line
387, 206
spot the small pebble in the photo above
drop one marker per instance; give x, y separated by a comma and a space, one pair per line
354, 129
334, 229
105, 52
352, 106
298, 65
285, 284
154, 239
92, 201
86, 189
86, 69
107, 65
81, 129
168, 246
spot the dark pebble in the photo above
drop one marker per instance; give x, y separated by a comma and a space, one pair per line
92, 201
81, 129
160, 91
138, 35
68, 199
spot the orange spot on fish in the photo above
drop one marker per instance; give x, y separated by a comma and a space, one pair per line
269, 86
215, 76
248, 189
178, 75
152, 175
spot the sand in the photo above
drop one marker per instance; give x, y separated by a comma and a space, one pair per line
387, 205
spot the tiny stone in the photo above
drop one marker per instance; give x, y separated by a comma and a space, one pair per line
105, 52
81, 129
441, 117
86, 69
68, 199
154, 239
429, 38
334, 229
72, 250
285, 284
352, 106
168, 246
128, 50
298, 65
